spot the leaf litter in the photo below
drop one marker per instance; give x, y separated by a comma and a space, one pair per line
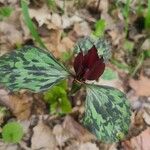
63, 32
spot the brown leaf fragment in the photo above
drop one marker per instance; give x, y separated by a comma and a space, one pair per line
19, 105
83, 146
61, 135
41, 15
82, 29
43, 138
6, 146
76, 130
140, 142
141, 86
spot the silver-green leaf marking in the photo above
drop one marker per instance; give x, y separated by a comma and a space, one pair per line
107, 113
101, 44
30, 68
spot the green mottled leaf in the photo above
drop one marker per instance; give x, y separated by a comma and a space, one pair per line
107, 113
102, 45
30, 68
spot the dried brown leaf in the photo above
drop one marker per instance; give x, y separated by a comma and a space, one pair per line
82, 146
41, 15
43, 137
140, 142
61, 135
82, 29
141, 86
6, 146
19, 105
76, 130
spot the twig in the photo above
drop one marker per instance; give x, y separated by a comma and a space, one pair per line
98, 3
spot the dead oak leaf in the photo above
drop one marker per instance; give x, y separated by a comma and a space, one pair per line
61, 135
82, 146
19, 105
41, 15
43, 138
76, 130
141, 86
140, 142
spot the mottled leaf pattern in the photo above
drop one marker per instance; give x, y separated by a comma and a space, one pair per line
107, 113
30, 68
101, 44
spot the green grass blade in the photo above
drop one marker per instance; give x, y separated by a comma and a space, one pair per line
147, 18
30, 24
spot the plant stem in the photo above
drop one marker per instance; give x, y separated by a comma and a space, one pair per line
98, 3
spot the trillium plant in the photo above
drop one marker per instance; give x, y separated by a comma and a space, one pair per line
107, 112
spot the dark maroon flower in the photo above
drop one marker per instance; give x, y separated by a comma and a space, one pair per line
88, 66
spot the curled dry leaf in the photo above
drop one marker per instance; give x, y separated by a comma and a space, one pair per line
146, 45
66, 23
4, 98
67, 42
82, 29
9, 36
65, 45
6, 146
140, 142
19, 105
137, 124
146, 111
61, 135
43, 138
76, 130
141, 86
104, 4
88, 146
56, 20
146, 116
41, 15
142, 105
83, 146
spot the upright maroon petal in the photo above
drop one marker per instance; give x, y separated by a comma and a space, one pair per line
86, 74
96, 71
78, 63
91, 57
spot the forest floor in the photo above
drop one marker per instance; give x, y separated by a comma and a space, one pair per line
60, 25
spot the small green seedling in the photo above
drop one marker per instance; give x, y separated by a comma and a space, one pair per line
51, 4
146, 54
107, 111
58, 100
12, 132
100, 26
128, 46
5, 12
